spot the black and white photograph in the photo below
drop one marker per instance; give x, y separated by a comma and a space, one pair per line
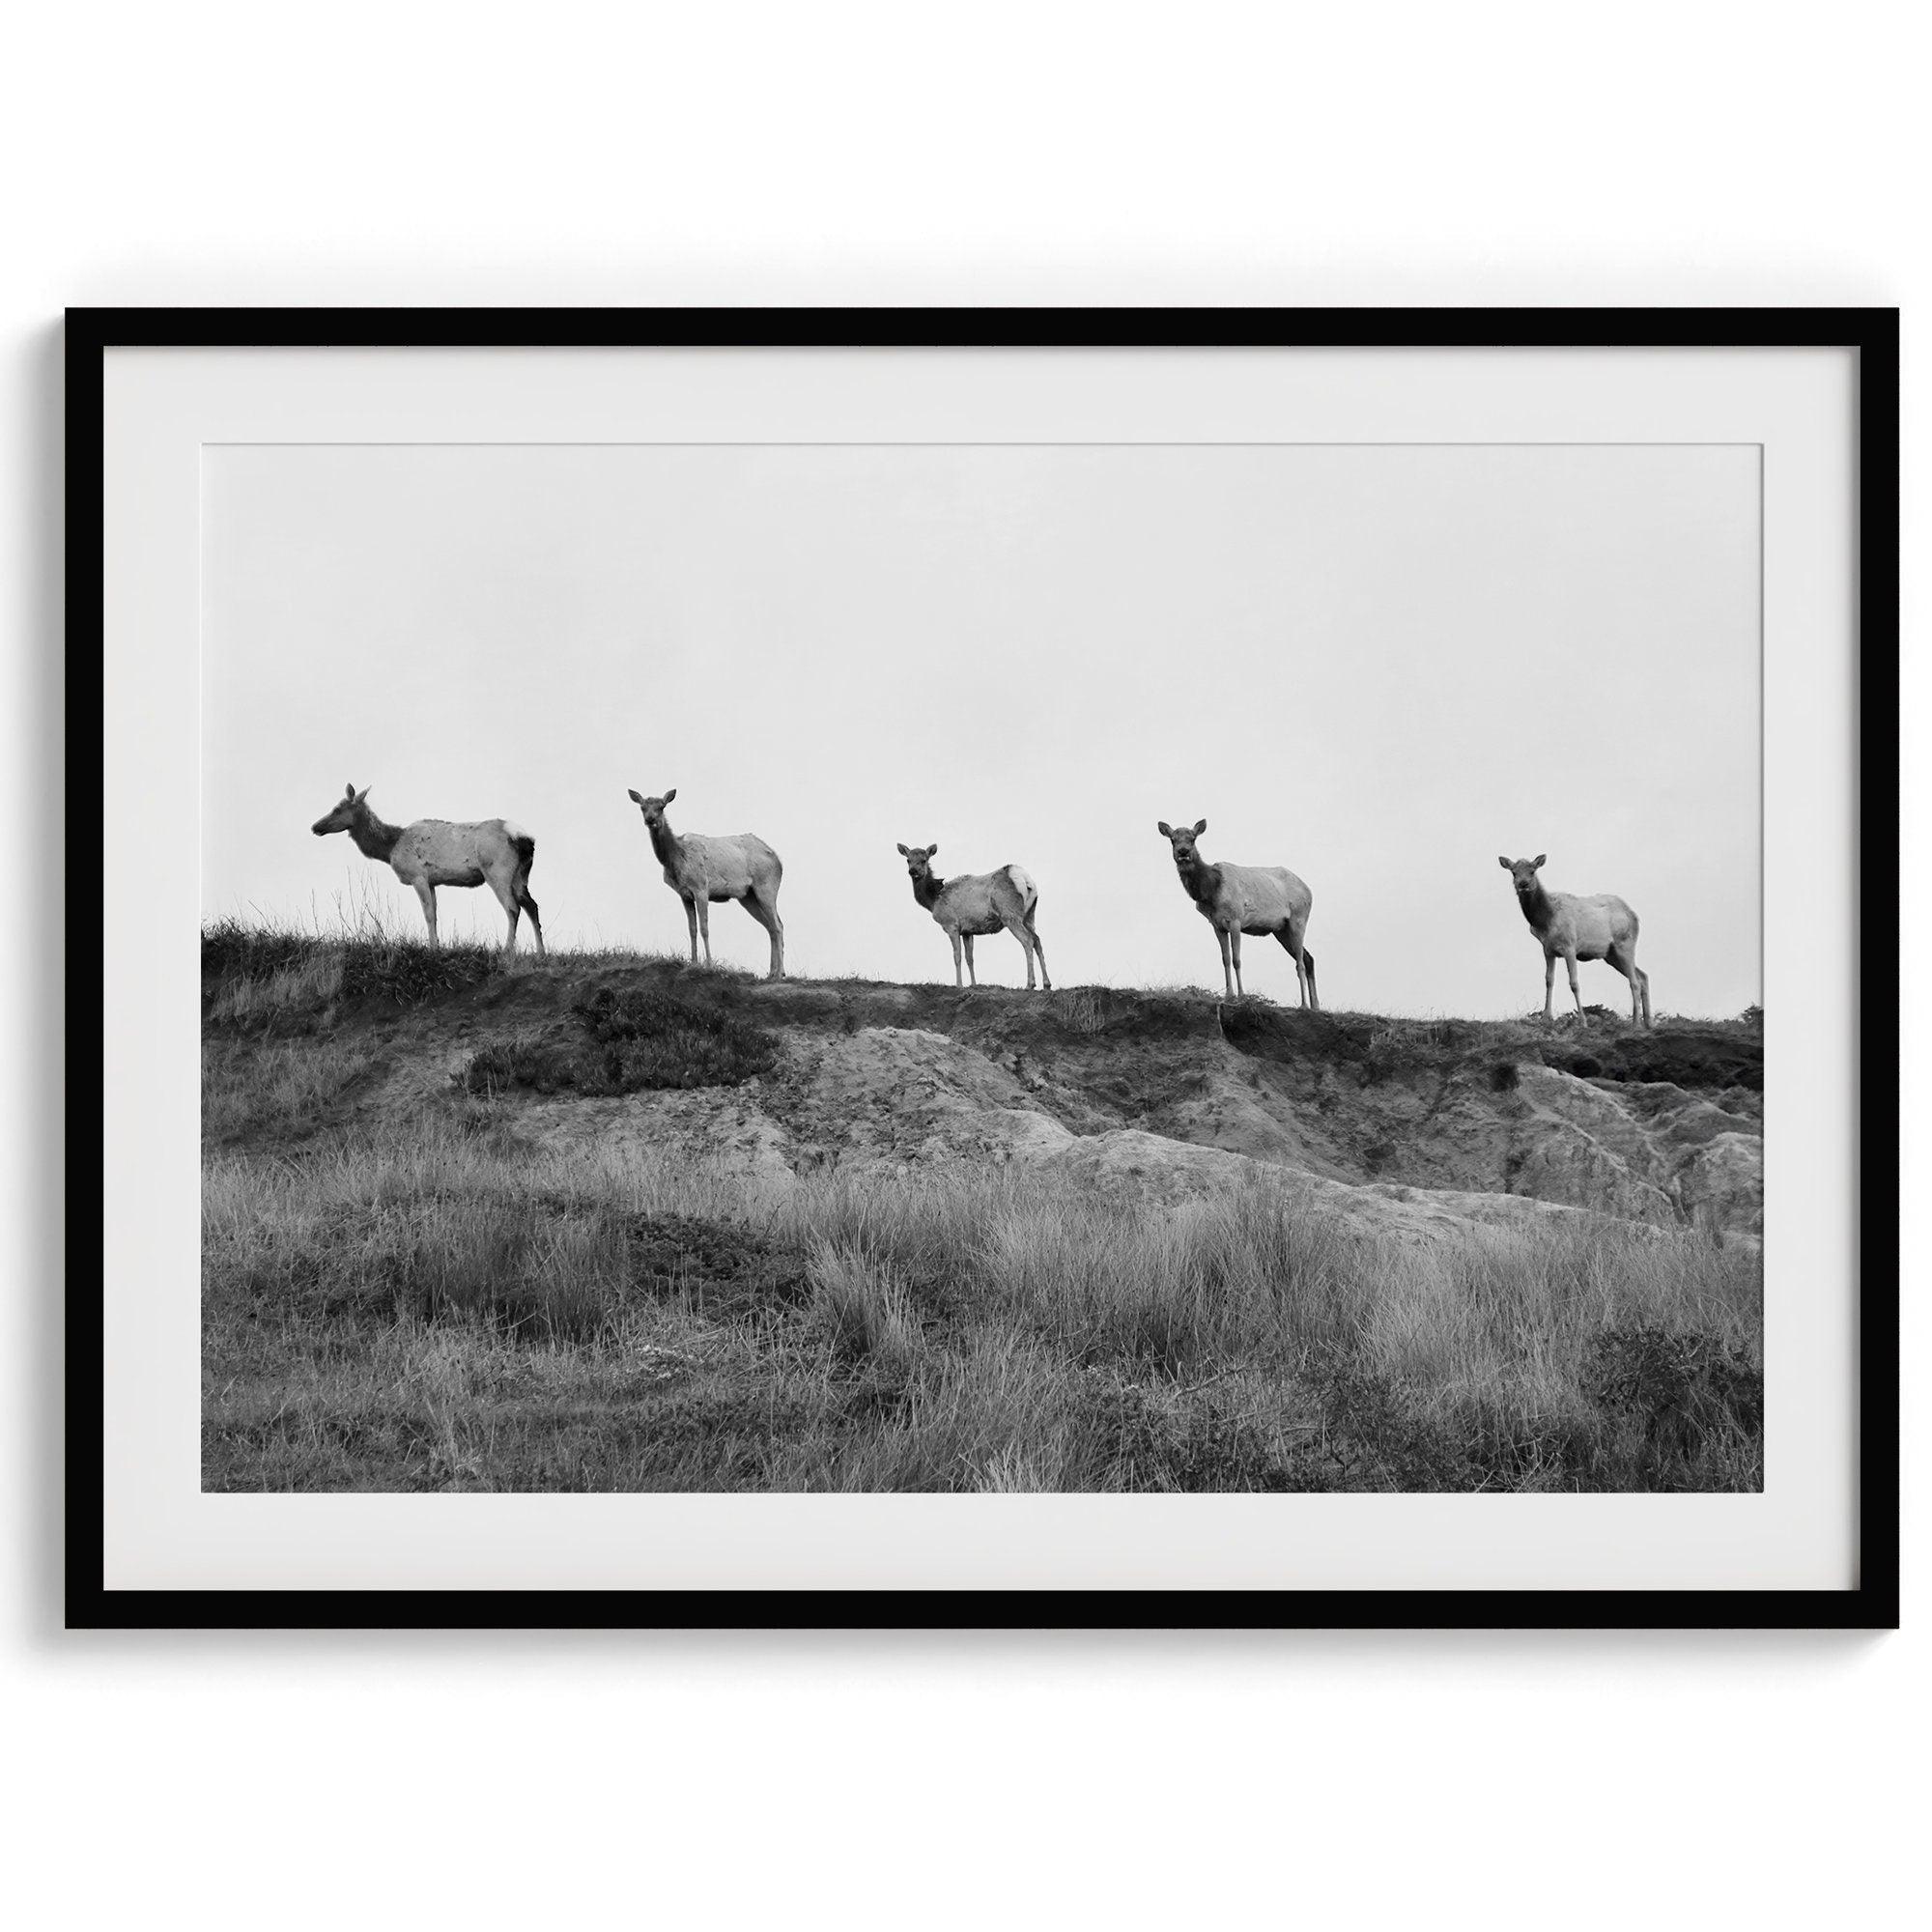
1046, 968
998, 931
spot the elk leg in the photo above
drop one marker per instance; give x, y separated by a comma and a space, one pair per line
506, 898
1234, 940
529, 905
1549, 984
1227, 976
1017, 927
426, 893
1041, 950
778, 932
972, 976
1290, 944
1570, 960
691, 920
958, 979
703, 905
767, 916
1623, 960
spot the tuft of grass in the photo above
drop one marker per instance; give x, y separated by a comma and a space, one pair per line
863, 1309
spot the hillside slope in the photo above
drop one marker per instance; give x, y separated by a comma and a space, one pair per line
1409, 1128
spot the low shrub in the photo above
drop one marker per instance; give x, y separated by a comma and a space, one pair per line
720, 1270
1675, 1382
625, 1043
408, 972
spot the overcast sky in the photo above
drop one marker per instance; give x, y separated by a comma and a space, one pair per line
1379, 667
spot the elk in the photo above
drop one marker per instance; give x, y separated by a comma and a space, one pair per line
1262, 900
704, 869
432, 852
1573, 927
975, 904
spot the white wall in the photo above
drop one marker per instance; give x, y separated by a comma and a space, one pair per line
203, 154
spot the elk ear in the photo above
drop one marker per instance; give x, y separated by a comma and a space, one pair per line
1541, 859
349, 790
1502, 862
362, 794
1165, 829
670, 794
930, 850
903, 853
636, 798
1200, 826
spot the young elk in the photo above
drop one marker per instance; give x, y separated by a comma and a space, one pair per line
433, 852
1573, 927
975, 904
705, 869
1263, 900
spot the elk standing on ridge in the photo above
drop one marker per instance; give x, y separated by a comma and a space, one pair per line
1573, 927
433, 852
975, 904
705, 868
1267, 901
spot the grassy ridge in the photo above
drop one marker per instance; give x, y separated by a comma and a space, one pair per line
253, 976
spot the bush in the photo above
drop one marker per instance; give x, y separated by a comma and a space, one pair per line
625, 1043
720, 1269
1674, 1383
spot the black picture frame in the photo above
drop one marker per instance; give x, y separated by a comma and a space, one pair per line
1871, 333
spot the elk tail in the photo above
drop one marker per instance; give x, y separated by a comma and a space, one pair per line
525, 849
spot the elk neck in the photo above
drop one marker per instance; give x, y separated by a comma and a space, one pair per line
374, 839
1201, 880
665, 842
926, 888
1535, 903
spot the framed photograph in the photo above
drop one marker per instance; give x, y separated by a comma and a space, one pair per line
997, 967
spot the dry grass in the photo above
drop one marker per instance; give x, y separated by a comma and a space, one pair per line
435, 1306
